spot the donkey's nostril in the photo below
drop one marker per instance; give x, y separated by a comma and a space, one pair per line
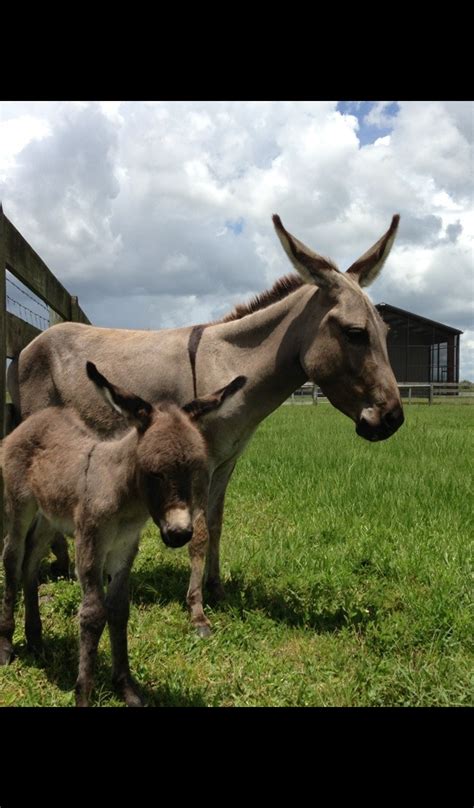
178, 537
393, 419
374, 427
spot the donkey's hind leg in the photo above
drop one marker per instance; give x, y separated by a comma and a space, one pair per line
38, 542
60, 567
13, 554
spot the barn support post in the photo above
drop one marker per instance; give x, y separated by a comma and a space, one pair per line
431, 394
451, 358
3, 341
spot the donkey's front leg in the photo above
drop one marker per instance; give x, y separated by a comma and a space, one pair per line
197, 554
118, 608
92, 616
217, 494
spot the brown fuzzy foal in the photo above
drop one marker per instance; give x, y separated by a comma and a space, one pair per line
59, 474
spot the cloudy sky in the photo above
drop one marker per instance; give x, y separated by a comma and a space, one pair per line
158, 214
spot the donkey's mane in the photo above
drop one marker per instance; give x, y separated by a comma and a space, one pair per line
281, 288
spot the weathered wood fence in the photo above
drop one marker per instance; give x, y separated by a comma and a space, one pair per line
25, 264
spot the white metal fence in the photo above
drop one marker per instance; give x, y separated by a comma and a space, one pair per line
310, 393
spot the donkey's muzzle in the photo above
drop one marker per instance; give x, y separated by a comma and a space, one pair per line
374, 426
175, 537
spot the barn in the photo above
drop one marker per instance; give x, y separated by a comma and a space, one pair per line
420, 350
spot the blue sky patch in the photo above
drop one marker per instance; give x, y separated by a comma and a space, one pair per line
368, 132
236, 226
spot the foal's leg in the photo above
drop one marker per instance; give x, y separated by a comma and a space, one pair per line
60, 567
117, 603
197, 554
38, 542
92, 614
13, 554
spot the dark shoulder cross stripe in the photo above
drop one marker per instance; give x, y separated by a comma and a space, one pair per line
193, 345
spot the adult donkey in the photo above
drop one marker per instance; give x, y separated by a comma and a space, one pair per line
331, 335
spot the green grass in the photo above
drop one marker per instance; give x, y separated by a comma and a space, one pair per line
348, 573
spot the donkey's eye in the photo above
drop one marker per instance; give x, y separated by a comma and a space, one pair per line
356, 335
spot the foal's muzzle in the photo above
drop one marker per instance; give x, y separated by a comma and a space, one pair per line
374, 425
175, 537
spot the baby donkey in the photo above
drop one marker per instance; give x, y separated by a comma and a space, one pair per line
56, 470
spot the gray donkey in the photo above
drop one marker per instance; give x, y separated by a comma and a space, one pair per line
104, 491
317, 324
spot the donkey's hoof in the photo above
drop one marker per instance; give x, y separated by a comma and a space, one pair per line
36, 648
203, 631
131, 695
132, 699
128, 690
216, 592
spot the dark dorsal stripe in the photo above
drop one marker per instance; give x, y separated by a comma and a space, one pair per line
193, 345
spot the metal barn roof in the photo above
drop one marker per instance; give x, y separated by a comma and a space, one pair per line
386, 307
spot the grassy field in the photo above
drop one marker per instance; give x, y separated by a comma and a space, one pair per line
348, 572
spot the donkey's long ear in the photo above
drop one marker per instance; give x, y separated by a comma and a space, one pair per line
312, 267
366, 269
201, 406
133, 408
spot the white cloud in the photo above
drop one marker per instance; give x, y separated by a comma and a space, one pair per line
15, 134
130, 202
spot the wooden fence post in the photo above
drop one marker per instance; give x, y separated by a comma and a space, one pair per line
74, 309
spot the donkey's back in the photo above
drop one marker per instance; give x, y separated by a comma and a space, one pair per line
50, 371
46, 462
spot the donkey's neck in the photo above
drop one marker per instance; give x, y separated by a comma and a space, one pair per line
263, 323
266, 346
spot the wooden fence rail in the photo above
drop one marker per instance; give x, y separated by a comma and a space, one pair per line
25, 264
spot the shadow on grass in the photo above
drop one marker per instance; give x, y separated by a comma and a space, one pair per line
60, 665
59, 661
164, 583
167, 583
294, 608
166, 696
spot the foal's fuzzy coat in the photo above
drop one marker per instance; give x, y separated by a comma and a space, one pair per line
59, 475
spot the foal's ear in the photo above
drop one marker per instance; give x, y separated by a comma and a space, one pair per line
133, 408
368, 266
201, 406
312, 267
